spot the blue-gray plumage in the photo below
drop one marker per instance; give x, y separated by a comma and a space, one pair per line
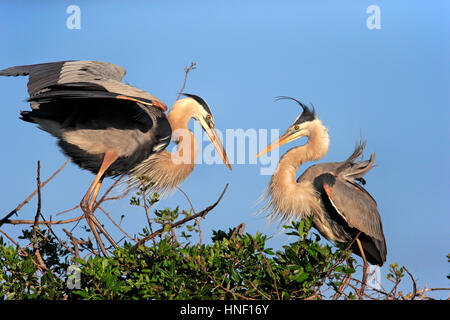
342, 209
111, 128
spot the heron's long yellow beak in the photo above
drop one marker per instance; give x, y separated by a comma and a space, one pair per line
285, 138
212, 134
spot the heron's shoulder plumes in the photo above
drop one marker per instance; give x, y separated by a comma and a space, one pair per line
285, 201
160, 174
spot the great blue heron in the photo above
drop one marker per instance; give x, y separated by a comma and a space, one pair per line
111, 128
330, 192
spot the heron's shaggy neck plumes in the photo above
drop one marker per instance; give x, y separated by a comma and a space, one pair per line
167, 170
286, 199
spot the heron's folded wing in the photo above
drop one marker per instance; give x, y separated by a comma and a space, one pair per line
359, 210
356, 207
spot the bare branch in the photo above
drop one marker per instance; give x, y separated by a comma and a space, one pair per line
6, 218
186, 70
180, 222
38, 213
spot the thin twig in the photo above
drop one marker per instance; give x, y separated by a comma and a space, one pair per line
10, 239
6, 218
180, 222
36, 218
68, 210
220, 285
240, 228
196, 219
45, 222
116, 224
260, 292
186, 70
341, 258
414, 293
270, 268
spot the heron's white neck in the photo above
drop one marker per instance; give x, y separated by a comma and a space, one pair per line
288, 199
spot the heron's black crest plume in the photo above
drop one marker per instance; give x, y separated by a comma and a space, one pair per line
199, 100
308, 114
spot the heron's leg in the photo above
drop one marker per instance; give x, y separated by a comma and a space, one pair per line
95, 193
364, 279
108, 159
91, 209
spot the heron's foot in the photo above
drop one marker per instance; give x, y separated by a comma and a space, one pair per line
90, 219
84, 205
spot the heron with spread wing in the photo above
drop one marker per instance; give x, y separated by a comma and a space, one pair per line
342, 209
111, 128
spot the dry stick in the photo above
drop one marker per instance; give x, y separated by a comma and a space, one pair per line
186, 70
240, 228
68, 210
335, 264
414, 283
146, 213
270, 268
10, 239
103, 198
75, 242
116, 224
196, 220
344, 284
220, 285
38, 213
260, 292
66, 246
6, 218
45, 222
180, 222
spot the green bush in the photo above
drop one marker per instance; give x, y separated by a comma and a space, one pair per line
233, 266
166, 265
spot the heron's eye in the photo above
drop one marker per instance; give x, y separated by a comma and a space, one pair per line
296, 127
208, 117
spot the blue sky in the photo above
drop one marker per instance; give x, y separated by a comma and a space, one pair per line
388, 84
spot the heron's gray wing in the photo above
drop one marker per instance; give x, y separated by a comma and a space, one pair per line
53, 73
356, 207
96, 76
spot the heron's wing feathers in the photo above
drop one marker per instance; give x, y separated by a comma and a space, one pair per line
51, 100
356, 207
53, 73
359, 210
98, 73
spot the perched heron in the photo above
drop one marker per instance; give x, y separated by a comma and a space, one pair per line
111, 128
342, 209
